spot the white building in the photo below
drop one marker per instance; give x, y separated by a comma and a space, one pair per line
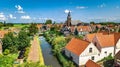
100, 46
80, 51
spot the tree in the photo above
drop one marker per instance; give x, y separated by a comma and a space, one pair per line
92, 22
24, 40
76, 31
33, 29
48, 21
10, 42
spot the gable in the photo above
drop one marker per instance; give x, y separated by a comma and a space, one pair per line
86, 51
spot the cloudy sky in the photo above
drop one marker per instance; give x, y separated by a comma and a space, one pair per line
40, 10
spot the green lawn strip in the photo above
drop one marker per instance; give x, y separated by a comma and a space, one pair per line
40, 52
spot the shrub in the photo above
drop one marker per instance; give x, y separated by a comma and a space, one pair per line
6, 52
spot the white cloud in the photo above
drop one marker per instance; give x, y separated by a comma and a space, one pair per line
11, 16
81, 7
2, 16
45, 18
66, 11
19, 9
25, 17
102, 5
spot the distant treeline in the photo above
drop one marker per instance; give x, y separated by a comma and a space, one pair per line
105, 23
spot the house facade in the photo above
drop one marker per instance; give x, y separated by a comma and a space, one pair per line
80, 51
100, 46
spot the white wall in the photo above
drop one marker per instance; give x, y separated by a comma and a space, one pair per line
85, 56
118, 46
84, 59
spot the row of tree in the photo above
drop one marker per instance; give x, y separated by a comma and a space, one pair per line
13, 43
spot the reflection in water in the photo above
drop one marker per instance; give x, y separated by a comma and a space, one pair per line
49, 59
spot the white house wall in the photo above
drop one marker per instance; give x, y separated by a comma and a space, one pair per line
118, 46
85, 56
84, 59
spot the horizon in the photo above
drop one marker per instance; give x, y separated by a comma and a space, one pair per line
22, 11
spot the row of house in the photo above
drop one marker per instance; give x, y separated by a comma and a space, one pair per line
94, 46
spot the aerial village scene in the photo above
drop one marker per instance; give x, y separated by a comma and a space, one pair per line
59, 33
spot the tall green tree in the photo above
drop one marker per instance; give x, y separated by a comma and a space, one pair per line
33, 29
9, 42
24, 40
92, 22
48, 21
76, 31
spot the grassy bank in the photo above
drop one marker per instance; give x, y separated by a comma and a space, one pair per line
40, 51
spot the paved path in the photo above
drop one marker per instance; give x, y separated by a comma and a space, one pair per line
34, 54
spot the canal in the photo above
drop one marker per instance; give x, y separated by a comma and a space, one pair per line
49, 59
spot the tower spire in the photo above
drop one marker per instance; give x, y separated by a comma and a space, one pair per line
69, 19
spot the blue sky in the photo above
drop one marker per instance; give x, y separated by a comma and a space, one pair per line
40, 10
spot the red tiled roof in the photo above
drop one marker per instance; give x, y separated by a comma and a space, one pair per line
91, 36
90, 63
77, 46
84, 28
107, 40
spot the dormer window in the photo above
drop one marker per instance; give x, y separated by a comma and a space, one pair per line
90, 50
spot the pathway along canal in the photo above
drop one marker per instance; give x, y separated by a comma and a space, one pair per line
49, 59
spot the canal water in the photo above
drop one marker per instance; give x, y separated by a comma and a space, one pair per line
49, 59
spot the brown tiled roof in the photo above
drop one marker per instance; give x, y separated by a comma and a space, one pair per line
84, 28
90, 63
77, 46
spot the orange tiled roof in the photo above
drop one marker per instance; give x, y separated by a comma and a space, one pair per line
77, 46
84, 28
107, 40
91, 36
39, 25
2, 33
90, 63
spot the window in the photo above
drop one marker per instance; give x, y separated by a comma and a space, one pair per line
98, 54
90, 50
105, 52
92, 58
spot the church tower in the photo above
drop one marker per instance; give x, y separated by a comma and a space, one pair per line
68, 22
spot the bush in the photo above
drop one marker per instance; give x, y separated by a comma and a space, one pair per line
63, 61
6, 52
26, 52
